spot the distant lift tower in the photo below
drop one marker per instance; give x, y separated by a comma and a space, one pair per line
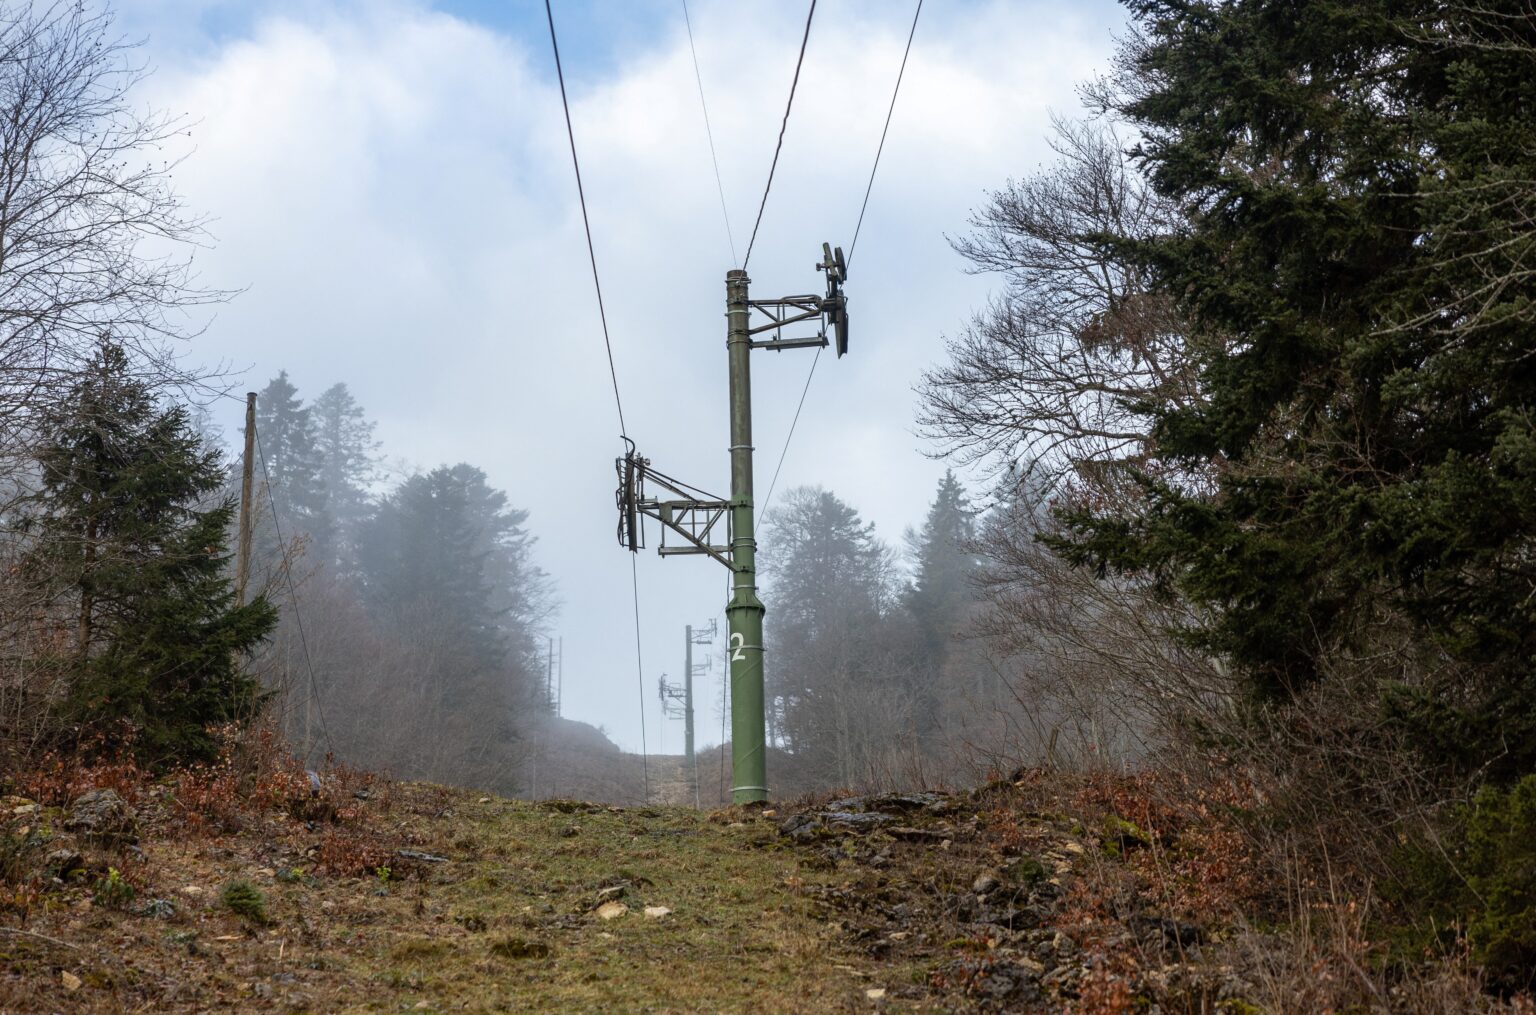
677, 701
694, 515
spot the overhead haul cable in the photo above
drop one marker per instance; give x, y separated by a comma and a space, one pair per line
293, 598
581, 193
851, 247
785, 123
612, 372
730, 239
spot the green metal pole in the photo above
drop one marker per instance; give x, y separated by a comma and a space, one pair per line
744, 612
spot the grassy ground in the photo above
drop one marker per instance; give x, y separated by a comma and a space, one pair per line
1047, 893
507, 922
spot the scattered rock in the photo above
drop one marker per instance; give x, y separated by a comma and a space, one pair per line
801, 827
656, 912
575, 807
104, 816
985, 884
875, 993
1010, 918
932, 803
416, 854
70, 981
1124, 834
906, 834
856, 821
611, 910
64, 862
1063, 979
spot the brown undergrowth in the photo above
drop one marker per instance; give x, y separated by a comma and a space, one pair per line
242, 886
1110, 893
1248, 924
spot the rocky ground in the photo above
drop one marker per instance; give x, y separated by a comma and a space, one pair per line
367, 896
934, 882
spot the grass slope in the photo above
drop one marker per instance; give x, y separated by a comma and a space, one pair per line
507, 922
1101, 895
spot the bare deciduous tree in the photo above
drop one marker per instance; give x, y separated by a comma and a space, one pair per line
93, 238
1043, 389
1047, 377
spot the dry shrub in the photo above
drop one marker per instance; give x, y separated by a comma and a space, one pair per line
56, 778
349, 786
1329, 960
354, 854
256, 771
208, 797
253, 771
1185, 840
1110, 985
1209, 852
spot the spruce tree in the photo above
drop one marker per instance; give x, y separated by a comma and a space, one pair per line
829, 589
288, 462
444, 551
122, 533
1355, 178
943, 564
346, 458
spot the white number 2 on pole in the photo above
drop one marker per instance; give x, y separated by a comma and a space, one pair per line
738, 641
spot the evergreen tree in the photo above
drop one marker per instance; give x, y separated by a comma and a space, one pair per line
940, 592
289, 460
943, 565
836, 675
346, 459
446, 572
119, 530
445, 551
1356, 182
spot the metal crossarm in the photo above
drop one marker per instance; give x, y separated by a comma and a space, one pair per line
692, 517
693, 520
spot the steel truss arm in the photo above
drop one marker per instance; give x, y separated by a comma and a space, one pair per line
781, 313
689, 512
694, 520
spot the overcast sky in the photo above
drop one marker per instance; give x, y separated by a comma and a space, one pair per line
390, 184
